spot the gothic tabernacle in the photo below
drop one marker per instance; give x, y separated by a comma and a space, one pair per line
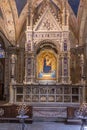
43, 63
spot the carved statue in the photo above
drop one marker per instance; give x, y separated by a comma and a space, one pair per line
13, 61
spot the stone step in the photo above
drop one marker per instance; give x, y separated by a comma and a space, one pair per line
48, 119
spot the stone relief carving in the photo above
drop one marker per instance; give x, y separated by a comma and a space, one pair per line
47, 22
46, 25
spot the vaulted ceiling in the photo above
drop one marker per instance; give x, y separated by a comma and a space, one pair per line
13, 15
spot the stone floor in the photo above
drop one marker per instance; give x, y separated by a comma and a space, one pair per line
41, 126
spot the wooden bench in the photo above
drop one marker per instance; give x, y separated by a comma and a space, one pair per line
11, 112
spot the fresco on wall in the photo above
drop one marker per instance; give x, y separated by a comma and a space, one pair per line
47, 65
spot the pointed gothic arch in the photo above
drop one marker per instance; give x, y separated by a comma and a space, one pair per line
47, 45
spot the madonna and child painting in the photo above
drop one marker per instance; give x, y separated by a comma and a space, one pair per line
47, 66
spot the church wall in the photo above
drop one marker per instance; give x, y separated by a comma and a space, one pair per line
75, 62
75, 68
20, 66
6, 66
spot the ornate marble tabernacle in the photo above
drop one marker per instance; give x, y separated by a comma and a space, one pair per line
47, 50
47, 60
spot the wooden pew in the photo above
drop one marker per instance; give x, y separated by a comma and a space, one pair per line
10, 113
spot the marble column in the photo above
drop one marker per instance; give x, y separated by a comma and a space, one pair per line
82, 68
62, 58
68, 69
13, 82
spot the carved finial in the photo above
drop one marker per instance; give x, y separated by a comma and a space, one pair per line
64, 13
30, 13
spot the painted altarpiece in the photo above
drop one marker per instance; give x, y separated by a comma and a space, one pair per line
46, 65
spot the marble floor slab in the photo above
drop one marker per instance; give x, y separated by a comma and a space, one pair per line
40, 126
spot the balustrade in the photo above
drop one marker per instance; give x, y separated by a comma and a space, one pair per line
49, 93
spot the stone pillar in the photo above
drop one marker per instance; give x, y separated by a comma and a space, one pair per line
21, 65
13, 82
83, 76
58, 75
82, 68
25, 76
7, 77
65, 55
60, 69
62, 76
29, 55
69, 78
11, 94
65, 69
32, 73
29, 68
